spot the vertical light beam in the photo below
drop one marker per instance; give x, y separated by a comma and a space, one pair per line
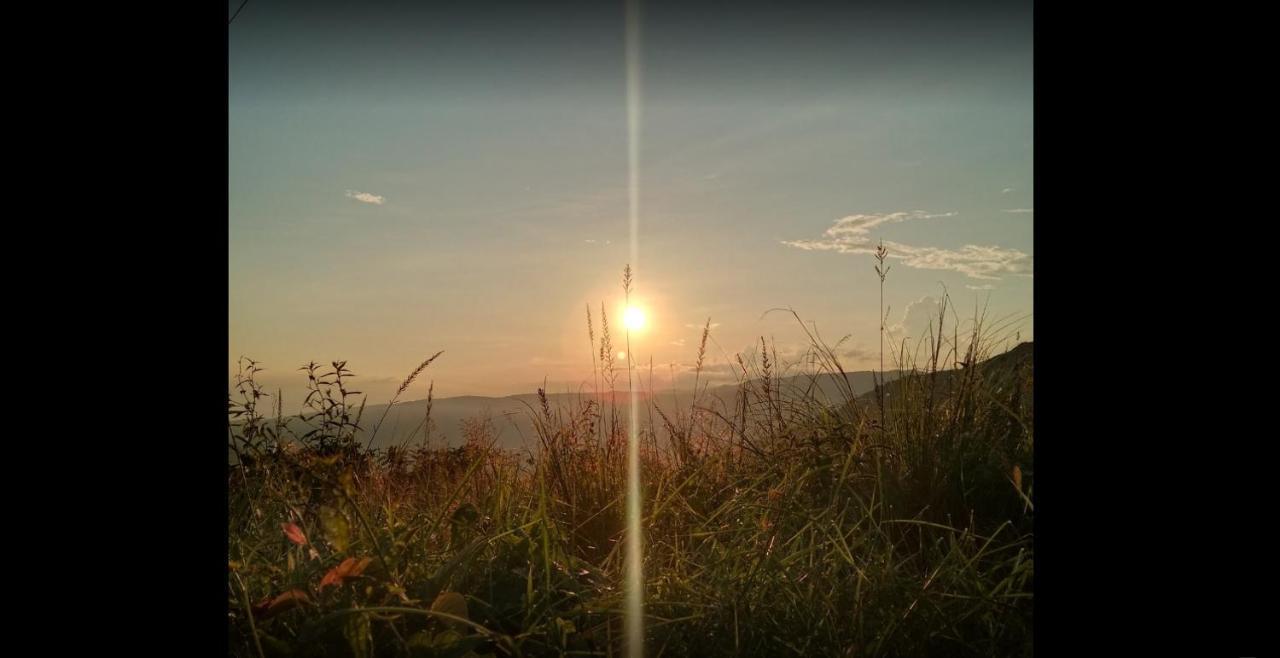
633, 126
634, 621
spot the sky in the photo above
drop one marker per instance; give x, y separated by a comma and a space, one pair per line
410, 178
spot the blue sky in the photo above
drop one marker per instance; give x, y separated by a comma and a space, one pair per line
403, 181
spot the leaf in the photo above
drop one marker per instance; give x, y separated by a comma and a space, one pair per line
566, 628
348, 568
446, 640
451, 603
294, 533
336, 528
356, 630
270, 607
1017, 477
420, 640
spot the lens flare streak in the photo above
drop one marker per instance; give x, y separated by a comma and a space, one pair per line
634, 616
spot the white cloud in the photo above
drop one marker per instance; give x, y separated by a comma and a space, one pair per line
851, 235
986, 286
1006, 190
974, 261
855, 229
917, 318
366, 197
1020, 210
702, 326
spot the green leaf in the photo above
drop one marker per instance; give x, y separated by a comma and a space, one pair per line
357, 631
566, 627
447, 639
420, 640
337, 530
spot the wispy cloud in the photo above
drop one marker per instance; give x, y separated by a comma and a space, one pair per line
1006, 190
855, 355
974, 261
702, 326
1020, 210
852, 235
985, 286
855, 230
366, 197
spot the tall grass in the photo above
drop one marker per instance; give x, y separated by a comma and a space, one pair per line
899, 523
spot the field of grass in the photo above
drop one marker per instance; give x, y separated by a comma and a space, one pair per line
898, 523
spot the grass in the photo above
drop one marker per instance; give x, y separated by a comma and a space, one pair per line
893, 524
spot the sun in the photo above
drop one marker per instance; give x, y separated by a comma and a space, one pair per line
633, 318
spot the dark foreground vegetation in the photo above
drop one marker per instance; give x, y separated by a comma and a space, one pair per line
896, 523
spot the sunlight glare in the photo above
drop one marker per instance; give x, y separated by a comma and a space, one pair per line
633, 318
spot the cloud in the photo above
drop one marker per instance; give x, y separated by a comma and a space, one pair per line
852, 235
986, 286
856, 229
917, 318
712, 374
1006, 190
855, 354
366, 197
719, 368
974, 261
702, 326
1020, 210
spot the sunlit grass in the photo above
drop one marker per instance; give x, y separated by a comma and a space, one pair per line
786, 523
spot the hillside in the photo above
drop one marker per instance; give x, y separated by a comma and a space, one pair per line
507, 418
999, 372
509, 414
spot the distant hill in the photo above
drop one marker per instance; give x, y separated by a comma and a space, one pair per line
511, 422
510, 417
1000, 370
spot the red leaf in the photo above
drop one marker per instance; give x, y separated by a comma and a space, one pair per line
270, 607
294, 533
349, 568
